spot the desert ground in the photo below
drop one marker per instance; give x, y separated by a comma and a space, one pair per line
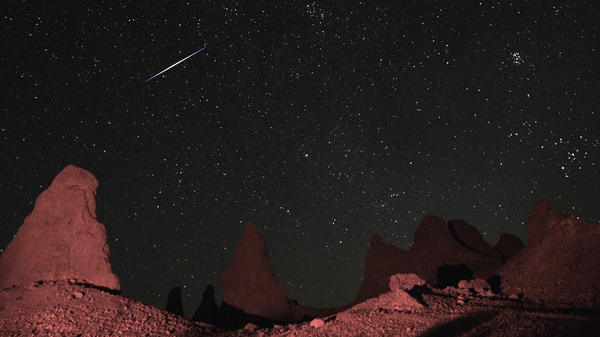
70, 309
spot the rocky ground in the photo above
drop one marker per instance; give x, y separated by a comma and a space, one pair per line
65, 309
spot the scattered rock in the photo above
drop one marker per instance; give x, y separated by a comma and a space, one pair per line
61, 239
479, 286
249, 283
48, 309
392, 300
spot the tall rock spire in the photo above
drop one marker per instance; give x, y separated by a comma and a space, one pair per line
61, 239
249, 283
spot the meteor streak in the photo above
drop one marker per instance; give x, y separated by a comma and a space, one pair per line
176, 63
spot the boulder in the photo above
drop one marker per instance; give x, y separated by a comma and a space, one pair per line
61, 239
249, 283
405, 281
479, 286
509, 245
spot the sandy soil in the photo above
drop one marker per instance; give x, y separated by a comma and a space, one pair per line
64, 309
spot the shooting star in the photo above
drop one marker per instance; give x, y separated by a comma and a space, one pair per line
176, 63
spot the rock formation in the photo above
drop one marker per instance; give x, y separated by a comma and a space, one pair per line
174, 302
436, 244
249, 283
542, 221
381, 263
509, 245
559, 265
208, 310
61, 239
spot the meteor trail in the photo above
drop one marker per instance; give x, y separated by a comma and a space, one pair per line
176, 63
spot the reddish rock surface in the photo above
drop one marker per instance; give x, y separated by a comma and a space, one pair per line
436, 244
542, 221
509, 245
559, 266
405, 282
381, 263
63, 309
61, 239
249, 283
458, 243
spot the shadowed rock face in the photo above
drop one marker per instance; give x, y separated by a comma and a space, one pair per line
174, 302
381, 263
249, 283
61, 239
436, 244
559, 265
208, 310
509, 245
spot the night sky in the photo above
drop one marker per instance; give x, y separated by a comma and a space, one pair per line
322, 122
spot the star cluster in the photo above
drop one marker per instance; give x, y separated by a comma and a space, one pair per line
322, 122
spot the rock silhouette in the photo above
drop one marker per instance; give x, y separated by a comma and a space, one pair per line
61, 239
559, 265
509, 245
249, 283
174, 302
208, 310
436, 244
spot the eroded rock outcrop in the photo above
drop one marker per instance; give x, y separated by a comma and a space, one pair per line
509, 245
381, 263
542, 221
436, 244
559, 265
249, 283
61, 239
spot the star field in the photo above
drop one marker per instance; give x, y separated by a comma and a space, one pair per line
322, 122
